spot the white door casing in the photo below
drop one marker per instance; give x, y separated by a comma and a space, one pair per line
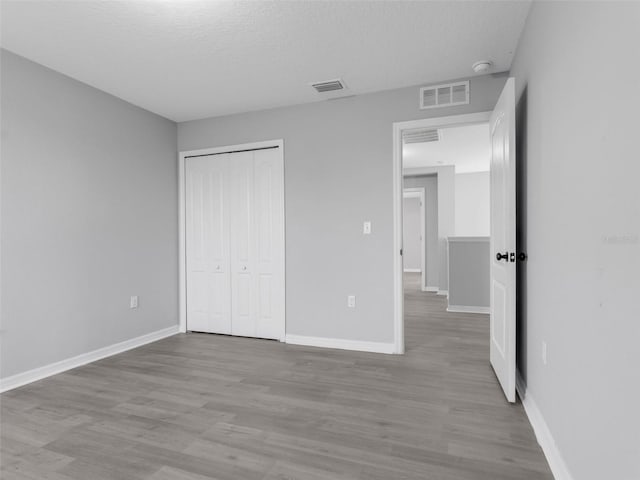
503, 241
234, 229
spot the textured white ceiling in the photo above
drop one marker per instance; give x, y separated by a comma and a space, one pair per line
468, 148
186, 59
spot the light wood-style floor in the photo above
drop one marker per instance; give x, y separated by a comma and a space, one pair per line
200, 406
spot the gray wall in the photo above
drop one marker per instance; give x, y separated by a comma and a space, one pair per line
338, 173
432, 262
577, 72
469, 275
89, 218
446, 214
411, 234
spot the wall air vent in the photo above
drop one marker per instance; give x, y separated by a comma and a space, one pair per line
445, 95
421, 136
328, 86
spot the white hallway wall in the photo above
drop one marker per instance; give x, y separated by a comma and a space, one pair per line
89, 218
580, 223
338, 173
472, 197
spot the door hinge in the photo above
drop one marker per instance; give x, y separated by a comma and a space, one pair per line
400, 252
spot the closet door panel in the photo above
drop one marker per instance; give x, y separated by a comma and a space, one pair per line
196, 256
269, 244
207, 245
243, 296
219, 292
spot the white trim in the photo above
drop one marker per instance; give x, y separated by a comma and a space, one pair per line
232, 148
39, 373
398, 183
430, 289
411, 192
342, 344
466, 309
412, 270
457, 120
398, 287
444, 293
558, 466
417, 171
182, 294
468, 239
182, 249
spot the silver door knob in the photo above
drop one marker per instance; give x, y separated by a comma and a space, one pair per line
244, 267
217, 267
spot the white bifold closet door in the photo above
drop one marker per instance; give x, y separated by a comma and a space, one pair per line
207, 231
235, 243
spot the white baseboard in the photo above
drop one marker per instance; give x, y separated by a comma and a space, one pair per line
543, 434
412, 270
465, 309
443, 292
430, 289
341, 344
39, 373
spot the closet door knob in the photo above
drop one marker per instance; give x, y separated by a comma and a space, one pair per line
502, 256
217, 267
244, 267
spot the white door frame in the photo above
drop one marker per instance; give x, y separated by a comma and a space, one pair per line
182, 263
418, 192
398, 188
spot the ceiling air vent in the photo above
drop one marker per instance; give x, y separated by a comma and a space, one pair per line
445, 95
328, 86
421, 136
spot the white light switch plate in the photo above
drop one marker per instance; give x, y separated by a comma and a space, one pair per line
351, 301
366, 228
134, 302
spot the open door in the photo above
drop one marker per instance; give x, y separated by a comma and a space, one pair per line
503, 241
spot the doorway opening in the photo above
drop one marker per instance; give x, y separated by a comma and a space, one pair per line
436, 156
462, 258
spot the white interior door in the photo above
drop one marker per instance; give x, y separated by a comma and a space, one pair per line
503, 241
207, 244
